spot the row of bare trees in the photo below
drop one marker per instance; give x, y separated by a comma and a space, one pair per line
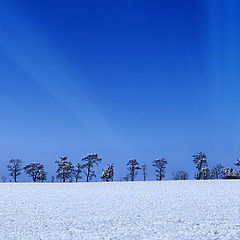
34, 170
66, 171
133, 168
217, 172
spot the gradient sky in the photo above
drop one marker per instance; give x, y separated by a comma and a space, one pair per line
126, 79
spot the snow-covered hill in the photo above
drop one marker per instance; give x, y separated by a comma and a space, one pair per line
121, 210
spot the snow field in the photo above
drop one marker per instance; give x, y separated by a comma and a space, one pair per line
121, 210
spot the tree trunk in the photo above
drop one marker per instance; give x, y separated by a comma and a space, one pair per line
88, 174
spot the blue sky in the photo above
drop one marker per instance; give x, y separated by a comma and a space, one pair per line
126, 79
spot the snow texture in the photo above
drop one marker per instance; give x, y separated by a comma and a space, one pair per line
121, 210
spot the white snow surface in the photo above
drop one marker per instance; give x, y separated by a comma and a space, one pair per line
121, 210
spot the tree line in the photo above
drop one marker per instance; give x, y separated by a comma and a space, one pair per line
66, 171
217, 172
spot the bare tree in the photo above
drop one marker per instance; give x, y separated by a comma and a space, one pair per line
133, 167
160, 165
200, 159
65, 169
107, 174
89, 161
14, 168
216, 171
180, 175
144, 170
77, 172
36, 171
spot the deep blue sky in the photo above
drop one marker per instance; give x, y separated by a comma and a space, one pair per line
127, 79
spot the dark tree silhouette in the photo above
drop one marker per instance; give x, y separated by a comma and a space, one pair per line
216, 171
200, 159
77, 172
180, 175
144, 169
107, 174
36, 171
65, 169
133, 167
14, 168
160, 165
89, 161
